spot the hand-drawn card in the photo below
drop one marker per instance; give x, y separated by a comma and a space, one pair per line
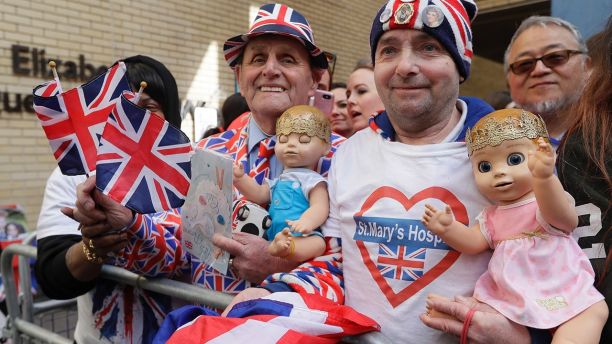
207, 209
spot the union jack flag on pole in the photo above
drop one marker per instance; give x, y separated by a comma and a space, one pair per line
143, 162
74, 120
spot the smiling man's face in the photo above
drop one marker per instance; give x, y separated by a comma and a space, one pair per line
546, 90
275, 74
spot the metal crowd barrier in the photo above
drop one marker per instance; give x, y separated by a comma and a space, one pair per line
22, 308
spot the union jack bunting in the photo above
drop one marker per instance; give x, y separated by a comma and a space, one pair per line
398, 262
276, 19
277, 318
143, 162
74, 120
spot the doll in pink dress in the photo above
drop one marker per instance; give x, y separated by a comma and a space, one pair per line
538, 276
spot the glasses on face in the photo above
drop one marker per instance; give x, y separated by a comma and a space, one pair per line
550, 60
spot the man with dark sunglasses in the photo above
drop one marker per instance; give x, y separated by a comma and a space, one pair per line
547, 65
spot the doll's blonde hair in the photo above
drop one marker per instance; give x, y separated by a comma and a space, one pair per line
304, 119
504, 125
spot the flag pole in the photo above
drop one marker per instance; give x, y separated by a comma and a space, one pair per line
55, 76
143, 85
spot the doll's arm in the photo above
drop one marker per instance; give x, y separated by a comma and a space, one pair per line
552, 201
316, 214
459, 236
249, 188
297, 249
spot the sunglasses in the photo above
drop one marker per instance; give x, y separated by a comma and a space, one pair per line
550, 60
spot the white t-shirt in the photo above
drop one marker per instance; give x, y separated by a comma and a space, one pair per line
378, 190
60, 192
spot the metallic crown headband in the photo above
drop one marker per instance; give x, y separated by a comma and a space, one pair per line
304, 119
504, 125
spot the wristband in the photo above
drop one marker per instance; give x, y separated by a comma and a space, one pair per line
466, 325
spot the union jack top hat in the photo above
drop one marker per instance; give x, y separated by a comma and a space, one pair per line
276, 19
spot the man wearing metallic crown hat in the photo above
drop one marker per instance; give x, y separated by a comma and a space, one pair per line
380, 259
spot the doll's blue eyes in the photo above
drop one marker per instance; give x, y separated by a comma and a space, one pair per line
484, 166
515, 159
512, 160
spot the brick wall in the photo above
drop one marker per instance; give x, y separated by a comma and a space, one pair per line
187, 36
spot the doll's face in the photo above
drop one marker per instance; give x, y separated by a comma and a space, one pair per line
501, 172
300, 150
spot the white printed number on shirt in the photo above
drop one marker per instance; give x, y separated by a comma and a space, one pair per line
597, 249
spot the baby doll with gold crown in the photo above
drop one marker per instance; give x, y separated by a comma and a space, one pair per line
299, 202
538, 276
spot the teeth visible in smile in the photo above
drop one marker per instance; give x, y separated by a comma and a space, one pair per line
271, 89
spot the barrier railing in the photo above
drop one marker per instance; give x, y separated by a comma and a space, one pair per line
21, 308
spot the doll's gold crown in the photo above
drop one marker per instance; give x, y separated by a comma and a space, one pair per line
504, 125
304, 119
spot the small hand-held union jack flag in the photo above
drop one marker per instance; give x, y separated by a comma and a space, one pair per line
73, 120
143, 161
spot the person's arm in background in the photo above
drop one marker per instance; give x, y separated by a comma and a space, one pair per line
52, 273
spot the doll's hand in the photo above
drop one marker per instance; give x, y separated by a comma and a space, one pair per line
436, 220
301, 226
238, 170
541, 163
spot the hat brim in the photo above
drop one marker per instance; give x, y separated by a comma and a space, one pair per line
234, 46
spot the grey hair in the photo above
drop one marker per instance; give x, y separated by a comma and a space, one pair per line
544, 21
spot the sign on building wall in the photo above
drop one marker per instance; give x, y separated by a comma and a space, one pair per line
33, 62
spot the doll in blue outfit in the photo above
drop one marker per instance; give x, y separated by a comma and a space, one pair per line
299, 202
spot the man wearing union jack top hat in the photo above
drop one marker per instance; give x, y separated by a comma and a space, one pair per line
277, 65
